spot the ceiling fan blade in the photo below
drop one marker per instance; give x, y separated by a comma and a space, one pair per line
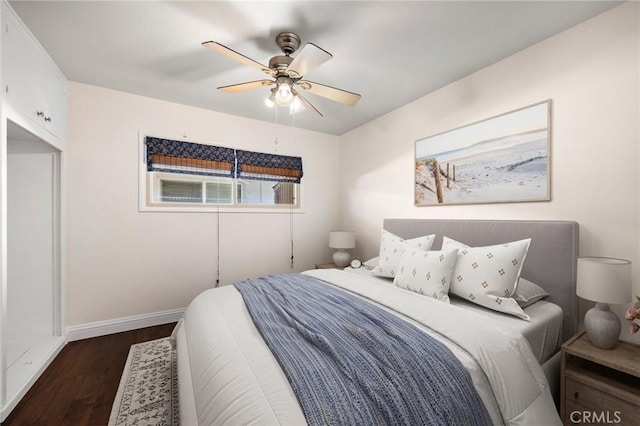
232, 54
338, 95
308, 58
307, 103
233, 88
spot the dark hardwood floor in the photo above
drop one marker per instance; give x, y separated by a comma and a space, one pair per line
79, 386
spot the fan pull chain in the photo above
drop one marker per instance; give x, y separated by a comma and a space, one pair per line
291, 233
218, 254
275, 141
291, 205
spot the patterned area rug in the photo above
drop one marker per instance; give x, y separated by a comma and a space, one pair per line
148, 391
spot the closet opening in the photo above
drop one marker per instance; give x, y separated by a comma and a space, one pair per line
34, 297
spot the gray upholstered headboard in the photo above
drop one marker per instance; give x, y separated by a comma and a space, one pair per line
550, 262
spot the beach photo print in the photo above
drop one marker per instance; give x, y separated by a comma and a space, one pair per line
499, 160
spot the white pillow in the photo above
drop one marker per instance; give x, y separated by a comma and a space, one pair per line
391, 250
371, 263
528, 293
488, 276
426, 272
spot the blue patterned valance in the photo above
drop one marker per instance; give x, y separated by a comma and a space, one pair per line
166, 155
271, 167
189, 158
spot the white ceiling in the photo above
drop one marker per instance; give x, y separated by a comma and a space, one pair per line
388, 51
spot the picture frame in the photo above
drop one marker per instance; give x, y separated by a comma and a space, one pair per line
502, 159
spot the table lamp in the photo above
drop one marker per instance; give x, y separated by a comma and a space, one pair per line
342, 240
603, 280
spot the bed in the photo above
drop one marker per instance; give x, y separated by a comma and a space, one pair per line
228, 375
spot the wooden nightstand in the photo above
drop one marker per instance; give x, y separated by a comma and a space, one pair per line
599, 386
327, 266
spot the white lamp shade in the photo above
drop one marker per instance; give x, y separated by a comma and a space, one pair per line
604, 279
342, 239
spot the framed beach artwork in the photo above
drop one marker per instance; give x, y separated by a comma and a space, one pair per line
502, 159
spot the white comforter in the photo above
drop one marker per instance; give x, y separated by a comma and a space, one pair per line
229, 376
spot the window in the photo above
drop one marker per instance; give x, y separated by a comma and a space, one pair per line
182, 188
190, 175
175, 191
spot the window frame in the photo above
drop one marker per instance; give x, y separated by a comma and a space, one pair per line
147, 186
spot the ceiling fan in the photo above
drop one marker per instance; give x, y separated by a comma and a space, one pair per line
287, 74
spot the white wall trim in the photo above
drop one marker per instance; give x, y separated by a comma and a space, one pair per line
117, 325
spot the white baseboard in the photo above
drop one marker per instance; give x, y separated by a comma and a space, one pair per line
118, 325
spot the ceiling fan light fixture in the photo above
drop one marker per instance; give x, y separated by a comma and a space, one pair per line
271, 100
287, 74
284, 96
296, 106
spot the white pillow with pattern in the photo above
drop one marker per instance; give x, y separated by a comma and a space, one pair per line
391, 250
488, 276
528, 293
371, 263
426, 272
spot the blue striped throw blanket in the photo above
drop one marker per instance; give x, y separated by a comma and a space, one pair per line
350, 362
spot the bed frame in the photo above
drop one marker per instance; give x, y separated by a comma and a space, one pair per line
550, 262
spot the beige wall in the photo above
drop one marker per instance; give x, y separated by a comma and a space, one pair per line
591, 73
122, 262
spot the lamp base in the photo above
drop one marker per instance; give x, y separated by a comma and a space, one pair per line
602, 326
341, 258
